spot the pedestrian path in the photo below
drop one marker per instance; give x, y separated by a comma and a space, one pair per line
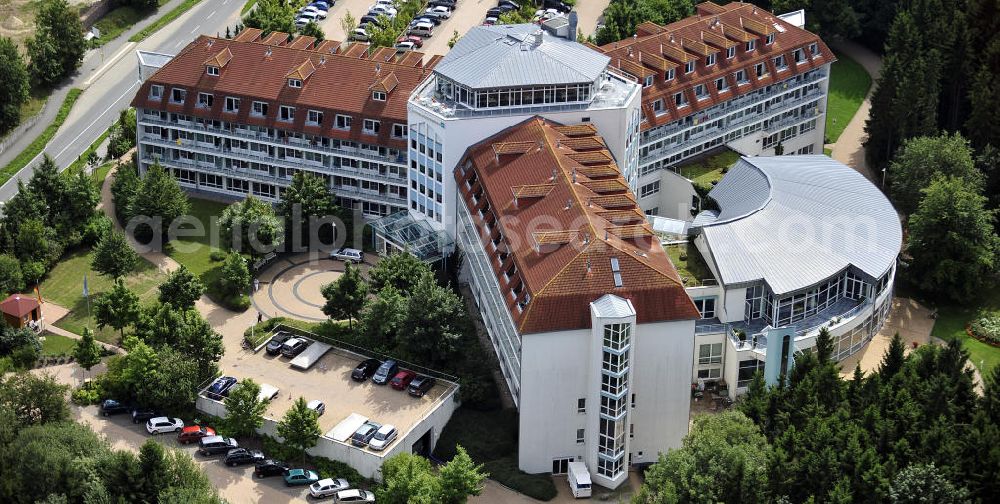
849, 148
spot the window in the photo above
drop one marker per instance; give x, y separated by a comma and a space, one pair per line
769, 39
731, 52
680, 100
689, 67
378, 95
343, 122
580, 436
213, 71
814, 49
701, 91
648, 81
741, 77
581, 405
710, 353
710, 60
205, 100
294, 83
156, 92
232, 104
616, 336
760, 70
669, 76
399, 131
751, 45
747, 368
799, 55
706, 306
649, 189
780, 63
371, 126
721, 84
658, 107
287, 113
710, 374
314, 117
259, 108
178, 95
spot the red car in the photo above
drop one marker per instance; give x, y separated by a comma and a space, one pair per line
192, 433
402, 379
417, 41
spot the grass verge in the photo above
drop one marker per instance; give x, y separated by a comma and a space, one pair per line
705, 172
120, 20
56, 344
689, 263
81, 160
42, 140
849, 83
247, 6
163, 21
951, 322
490, 437
64, 286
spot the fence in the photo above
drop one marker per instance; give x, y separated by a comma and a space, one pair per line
14, 135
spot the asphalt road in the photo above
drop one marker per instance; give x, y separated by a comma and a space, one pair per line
110, 81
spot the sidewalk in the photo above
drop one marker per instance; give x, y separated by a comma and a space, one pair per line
849, 148
94, 62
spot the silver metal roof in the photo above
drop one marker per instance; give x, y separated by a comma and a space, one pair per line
519, 55
612, 306
794, 221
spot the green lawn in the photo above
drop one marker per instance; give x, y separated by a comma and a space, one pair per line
849, 83
41, 140
689, 263
703, 172
163, 20
119, 20
64, 286
56, 344
951, 324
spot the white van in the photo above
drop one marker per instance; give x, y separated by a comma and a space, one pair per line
579, 479
422, 29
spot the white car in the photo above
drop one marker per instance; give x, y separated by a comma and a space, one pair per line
320, 13
317, 406
267, 392
383, 437
360, 35
439, 11
405, 46
382, 10
353, 495
347, 254
328, 487
162, 424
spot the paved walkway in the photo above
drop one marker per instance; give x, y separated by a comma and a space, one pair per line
589, 13
849, 148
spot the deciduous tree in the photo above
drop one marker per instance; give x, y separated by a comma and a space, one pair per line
181, 289
346, 295
14, 85
118, 307
57, 48
402, 270
113, 256
244, 409
11, 278
235, 277
434, 322
86, 352
460, 478
306, 198
251, 226
159, 196
407, 478
921, 159
299, 428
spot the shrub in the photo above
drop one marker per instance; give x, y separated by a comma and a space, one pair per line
986, 328
98, 226
325, 467
86, 395
217, 256
24, 356
538, 486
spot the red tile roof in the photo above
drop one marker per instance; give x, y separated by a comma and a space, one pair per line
655, 49
333, 83
559, 242
18, 305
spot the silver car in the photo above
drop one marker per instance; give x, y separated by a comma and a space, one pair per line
383, 437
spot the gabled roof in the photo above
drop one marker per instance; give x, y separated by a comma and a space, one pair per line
557, 251
18, 305
793, 221
519, 55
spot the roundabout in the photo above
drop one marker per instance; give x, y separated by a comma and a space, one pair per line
291, 287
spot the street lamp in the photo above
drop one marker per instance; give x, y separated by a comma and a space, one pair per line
883, 176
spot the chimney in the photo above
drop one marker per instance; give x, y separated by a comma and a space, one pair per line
553, 174
569, 203
573, 23
537, 39
574, 175
588, 266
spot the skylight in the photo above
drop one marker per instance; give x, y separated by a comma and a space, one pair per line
617, 271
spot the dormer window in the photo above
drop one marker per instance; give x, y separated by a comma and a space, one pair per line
669, 76
212, 70
205, 100
232, 104
721, 84
648, 81
287, 113
769, 39
314, 117
378, 96
741, 77
259, 109
799, 55
760, 70
342, 122
751, 45
295, 83
689, 67
701, 91
371, 126
156, 92
658, 107
680, 100
814, 49
710, 60
780, 63
177, 95
731, 52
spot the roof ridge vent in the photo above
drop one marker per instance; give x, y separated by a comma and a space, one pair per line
267, 53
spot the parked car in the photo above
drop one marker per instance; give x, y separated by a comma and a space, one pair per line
320, 13
220, 388
385, 372
347, 255
274, 344
420, 386
297, 477
417, 41
293, 347
442, 3
267, 392
493, 12
441, 12
112, 407
354, 495
162, 424
383, 10
405, 46
194, 433
215, 445
383, 437
509, 3
360, 35
365, 369
327, 487
402, 379
364, 434
424, 18
369, 20
269, 467
240, 456
558, 5
141, 415
317, 406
